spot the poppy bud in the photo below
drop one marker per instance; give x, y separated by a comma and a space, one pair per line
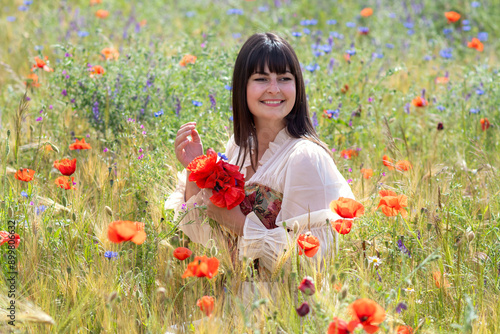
161, 291
307, 286
296, 227
440, 126
303, 309
108, 211
470, 235
112, 296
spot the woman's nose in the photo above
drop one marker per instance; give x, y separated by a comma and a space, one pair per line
273, 87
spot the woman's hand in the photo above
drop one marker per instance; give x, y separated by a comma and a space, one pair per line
232, 219
186, 150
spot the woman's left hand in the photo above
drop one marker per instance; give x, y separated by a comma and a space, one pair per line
232, 219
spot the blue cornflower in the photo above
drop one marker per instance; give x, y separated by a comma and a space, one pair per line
312, 68
331, 22
466, 28
446, 53
263, 8
83, 33
392, 15
334, 34
236, 35
222, 156
296, 34
306, 31
110, 254
234, 11
197, 103
311, 22
408, 25
332, 113
377, 55
474, 110
38, 47
350, 25
11, 18
227, 87
400, 307
465, 22
190, 14
410, 32
447, 31
475, 4
326, 48
28, 2
159, 113
482, 36
40, 209
440, 108
231, 118
318, 53
22, 8
479, 91
351, 52
24, 194
363, 30
389, 46
427, 58
315, 120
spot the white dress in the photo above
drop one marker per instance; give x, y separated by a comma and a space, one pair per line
307, 177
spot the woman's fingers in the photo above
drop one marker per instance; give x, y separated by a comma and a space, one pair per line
196, 136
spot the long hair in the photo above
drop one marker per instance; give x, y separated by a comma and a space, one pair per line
275, 52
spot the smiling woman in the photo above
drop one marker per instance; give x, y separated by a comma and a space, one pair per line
290, 177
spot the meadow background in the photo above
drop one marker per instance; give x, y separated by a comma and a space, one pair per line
360, 85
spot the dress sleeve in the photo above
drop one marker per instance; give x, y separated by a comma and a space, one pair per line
311, 182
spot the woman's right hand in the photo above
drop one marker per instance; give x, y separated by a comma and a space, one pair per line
186, 150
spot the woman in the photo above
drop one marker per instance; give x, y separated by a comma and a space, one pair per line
290, 175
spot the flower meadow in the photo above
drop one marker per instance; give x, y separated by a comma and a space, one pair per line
405, 93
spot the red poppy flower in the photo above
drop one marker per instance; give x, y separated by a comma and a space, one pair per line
228, 197
96, 69
338, 326
387, 162
102, 14
65, 182
65, 166
110, 53
39, 63
347, 208
442, 80
403, 165
5, 237
80, 145
437, 280
392, 205
386, 192
485, 124
202, 168
202, 267
122, 230
348, 154
366, 12
342, 226
452, 16
95, 2
404, 330
24, 174
366, 313
187, 59
182, 253
309, 244
419, 101
307, 286
367, 173
206, 304
476, 44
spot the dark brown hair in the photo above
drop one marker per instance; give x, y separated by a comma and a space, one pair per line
275, 52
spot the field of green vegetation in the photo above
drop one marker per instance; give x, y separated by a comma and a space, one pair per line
408, 80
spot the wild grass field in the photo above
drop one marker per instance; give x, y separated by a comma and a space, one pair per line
408, 82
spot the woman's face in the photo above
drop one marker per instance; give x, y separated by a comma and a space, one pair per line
270, 97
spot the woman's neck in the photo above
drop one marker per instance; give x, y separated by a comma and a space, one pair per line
267, 134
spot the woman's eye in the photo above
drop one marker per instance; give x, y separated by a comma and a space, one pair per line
260, 79
286, 79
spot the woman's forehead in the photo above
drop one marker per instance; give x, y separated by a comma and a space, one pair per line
267, 71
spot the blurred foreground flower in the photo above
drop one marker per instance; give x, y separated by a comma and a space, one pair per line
308, 243
348, 209
39, 63
65, 182
338, 326
110, 54
182, 253
387, 162
393, 204
80, 145
419, 102
5, 238
452, 16
404, 330
102, 14
366, 12
476, 44
187, 59
206, 304
32, 80
65, 166
303, 309
366, 314
348, 154
121, 230
307, 286
202, 266
96, 70
367, 173
403, 165
24, 174
438, 278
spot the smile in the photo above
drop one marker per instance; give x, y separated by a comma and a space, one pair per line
273, 103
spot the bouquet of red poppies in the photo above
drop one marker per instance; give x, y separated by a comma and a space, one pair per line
225, 180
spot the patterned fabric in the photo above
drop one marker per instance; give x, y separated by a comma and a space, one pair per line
264, 201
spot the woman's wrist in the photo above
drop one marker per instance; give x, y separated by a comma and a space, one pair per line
191, 188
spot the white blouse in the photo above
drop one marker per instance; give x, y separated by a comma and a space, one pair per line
308, 179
